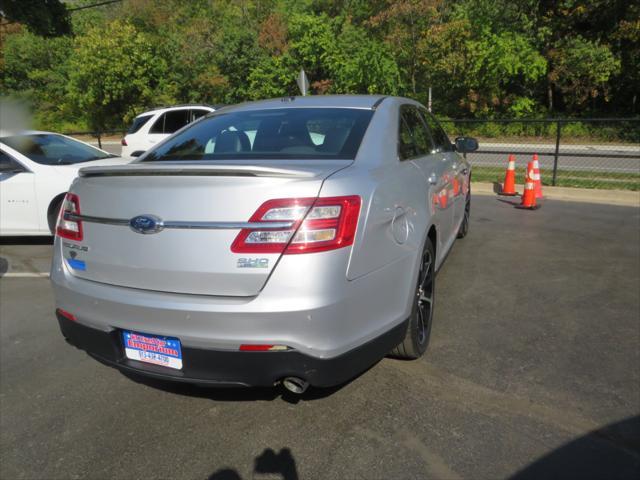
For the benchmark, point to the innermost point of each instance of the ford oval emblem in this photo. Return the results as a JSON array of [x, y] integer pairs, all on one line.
[[146, 224]]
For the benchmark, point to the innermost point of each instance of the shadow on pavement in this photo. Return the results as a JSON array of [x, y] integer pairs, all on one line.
[[612, 452], [26, 240], [233, 394], [268, 462]]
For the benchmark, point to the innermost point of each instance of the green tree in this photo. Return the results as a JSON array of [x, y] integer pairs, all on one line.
[[361, 64], [47, 18], [582, 69], [35, 69], [115, 72], [501, 66]]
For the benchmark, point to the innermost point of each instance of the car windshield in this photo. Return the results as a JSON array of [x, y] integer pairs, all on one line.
[[52, 149], [282, 133]]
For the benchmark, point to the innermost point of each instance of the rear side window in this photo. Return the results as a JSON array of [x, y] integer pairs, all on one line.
[[406, 145], [138, 123], [281, 133], [443, 144], [8, 164]]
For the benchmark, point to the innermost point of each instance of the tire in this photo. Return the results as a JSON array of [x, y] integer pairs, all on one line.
[[419, 328], [464, 226], [52, 215]]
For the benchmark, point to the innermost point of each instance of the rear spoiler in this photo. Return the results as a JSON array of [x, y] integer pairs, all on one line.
[[149, 169]]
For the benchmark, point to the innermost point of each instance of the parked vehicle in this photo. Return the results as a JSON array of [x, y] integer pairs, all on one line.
[[36, 169], [292, 240], [151, 127]]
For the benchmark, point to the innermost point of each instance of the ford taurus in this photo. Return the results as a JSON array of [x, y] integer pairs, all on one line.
[[288, 241]]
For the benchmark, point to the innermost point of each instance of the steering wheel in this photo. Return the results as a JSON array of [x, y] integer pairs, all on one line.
[[65, 159]]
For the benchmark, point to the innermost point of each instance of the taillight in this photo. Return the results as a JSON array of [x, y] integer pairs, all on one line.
[[67, 227], [250, 347], [67, 315], [317, 225], [123, 142]]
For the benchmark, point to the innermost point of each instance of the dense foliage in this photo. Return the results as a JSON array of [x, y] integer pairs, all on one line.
[[483, 58]]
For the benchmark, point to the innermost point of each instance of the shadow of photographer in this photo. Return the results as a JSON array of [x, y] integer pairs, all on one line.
[[268, 462]]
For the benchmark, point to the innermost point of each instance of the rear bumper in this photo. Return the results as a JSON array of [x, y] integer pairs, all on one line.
[[235, 368]]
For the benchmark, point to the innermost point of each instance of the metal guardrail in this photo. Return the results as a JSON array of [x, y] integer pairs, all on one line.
[[96, 134], [608, 155]]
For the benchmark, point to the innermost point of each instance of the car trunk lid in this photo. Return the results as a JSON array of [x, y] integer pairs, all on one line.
[[192, 258]]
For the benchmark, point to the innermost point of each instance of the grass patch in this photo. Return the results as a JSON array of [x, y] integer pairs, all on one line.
[[567, 178]]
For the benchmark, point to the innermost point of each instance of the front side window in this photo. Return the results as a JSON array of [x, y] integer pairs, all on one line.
[[196, 113], [174, 120], [52, 149], [443, 144], [415, 139], [280, 133]]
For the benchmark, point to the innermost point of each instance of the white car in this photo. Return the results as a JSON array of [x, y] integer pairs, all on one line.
[[36, 170], [153, 126]]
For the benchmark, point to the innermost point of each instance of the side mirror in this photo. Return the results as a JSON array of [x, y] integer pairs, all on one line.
[[137, 153], [466, 144]]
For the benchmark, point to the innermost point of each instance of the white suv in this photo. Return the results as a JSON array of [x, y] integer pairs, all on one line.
[[153, 126]]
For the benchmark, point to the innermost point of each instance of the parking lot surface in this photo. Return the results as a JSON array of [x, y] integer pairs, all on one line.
[[533, 372]]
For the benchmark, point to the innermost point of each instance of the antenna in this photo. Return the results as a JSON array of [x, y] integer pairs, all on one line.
[[303, 82]]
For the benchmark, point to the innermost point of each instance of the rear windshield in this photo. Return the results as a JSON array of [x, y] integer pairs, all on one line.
[[284, 133], [52, 149], [138, 123]]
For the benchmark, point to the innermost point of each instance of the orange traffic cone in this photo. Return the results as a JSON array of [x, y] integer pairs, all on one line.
[[537, 182], [444, 196], [529, 195], [509, 185]]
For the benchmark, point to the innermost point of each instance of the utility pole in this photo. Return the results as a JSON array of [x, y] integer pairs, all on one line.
[[303, 82], [429, 104]]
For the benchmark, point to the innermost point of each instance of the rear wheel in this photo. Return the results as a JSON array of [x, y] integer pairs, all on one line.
[[419, 329], [464, 226]]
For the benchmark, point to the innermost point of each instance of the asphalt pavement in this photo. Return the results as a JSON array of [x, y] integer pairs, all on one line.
[[533, 372]]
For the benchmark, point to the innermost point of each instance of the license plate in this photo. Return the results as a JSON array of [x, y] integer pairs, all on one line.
[[154, 349]]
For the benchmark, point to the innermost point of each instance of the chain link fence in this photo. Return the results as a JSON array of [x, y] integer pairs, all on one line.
[[588, 153]]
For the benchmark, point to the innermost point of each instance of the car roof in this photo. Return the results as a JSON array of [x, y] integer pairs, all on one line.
[[176, 107], [8, 133], [310, 101]]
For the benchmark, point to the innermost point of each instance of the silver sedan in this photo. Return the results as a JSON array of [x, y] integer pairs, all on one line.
[[289, 241]]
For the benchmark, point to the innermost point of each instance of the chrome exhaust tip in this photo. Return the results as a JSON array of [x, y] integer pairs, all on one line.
[[295, 385]]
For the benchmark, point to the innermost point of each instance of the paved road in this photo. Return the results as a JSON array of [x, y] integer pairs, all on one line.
[[532, 373], [545, 152], [567, 161]]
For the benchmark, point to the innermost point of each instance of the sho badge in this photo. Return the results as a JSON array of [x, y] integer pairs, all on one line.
[[253, 263], [73, 246]]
